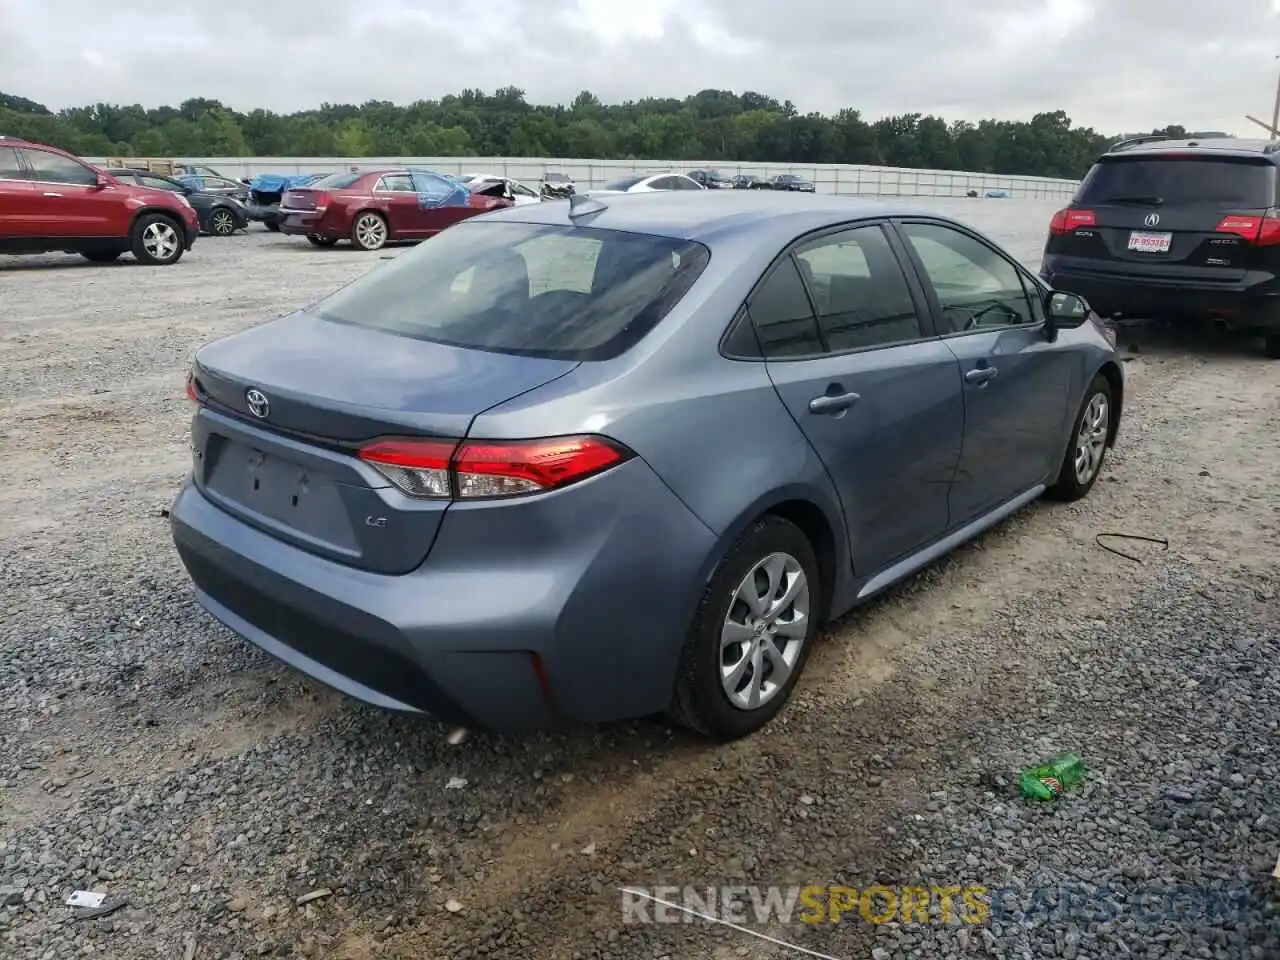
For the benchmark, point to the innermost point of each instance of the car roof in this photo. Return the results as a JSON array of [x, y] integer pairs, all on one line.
[[687, 215], [1201, 147]]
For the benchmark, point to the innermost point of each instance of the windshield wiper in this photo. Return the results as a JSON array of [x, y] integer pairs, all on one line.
[[1142, 201]]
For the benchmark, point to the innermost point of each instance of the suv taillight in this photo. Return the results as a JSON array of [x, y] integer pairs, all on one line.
[[1067, 220], [1263, 231], [487, 469]]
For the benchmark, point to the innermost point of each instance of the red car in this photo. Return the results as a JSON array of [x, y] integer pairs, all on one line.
[[376, 207], [51, 201]]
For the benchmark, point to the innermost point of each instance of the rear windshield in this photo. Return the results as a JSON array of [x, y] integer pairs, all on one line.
[[1170, 180], [573, 293], [337, 181], [624, 183]]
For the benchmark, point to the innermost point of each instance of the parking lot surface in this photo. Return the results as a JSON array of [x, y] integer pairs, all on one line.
[[148, 753]]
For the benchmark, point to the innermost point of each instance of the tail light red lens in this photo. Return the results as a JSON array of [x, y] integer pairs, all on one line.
[[1261, 230], [1068, 220], [488, 469], [322, 201], [193, 394]]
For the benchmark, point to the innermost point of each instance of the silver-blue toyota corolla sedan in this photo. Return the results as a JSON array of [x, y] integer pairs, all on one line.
[[602, 458]]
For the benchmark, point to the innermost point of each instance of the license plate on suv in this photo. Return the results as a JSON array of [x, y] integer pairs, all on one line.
[[1141, 241]]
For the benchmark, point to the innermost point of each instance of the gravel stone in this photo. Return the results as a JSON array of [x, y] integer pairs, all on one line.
[[147, 753]]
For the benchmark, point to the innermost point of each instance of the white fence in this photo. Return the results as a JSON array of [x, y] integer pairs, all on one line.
[[846, 179]]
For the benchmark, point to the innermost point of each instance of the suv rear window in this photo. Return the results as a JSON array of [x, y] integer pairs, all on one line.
[[572, 293], [1180, 180]]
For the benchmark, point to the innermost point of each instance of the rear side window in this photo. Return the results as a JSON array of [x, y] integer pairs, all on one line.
[[1180, 180], [783, 316], [573, 293]]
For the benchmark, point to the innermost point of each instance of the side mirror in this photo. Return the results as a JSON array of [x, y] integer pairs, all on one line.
[[1067, 311], [102, 182]]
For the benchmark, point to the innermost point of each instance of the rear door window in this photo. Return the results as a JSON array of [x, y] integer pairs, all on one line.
[[574, 293], [55, 168], [1175, 181], [860, 291], [783, 315], [10, 168]]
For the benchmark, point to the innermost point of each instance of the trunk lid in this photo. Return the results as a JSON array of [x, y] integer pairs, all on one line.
[[300, 198], [286, 462], [1187, 217]]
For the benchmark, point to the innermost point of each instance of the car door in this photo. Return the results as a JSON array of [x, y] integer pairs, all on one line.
[[849, 347], [72, 204], [17, 197], [395, 196], [1016, 382], [442, 201]]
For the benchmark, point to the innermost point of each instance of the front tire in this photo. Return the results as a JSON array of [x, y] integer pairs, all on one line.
[[156, 240], [318, 241], [271, 226], [1087, 448], [369, 231], [752, 633]]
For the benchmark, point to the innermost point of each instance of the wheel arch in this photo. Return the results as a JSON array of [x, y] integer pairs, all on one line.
[[163, 211], [1115, 378], [821, 523]]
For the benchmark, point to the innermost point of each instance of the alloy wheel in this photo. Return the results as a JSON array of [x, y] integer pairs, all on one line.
[[223, 223], [1091, 441], [764, 631], [371, 231]]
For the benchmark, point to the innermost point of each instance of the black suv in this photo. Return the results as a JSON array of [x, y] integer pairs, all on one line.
[[1176, 228]]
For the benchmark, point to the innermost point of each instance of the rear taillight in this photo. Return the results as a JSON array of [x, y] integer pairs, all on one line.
[[1067, 220], [485, 469], [322, 201], [193, 393], [1261, 230]]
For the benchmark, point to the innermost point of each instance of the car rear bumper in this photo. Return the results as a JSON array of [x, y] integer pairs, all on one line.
[[303, 223], [1255, 301], [573, 609]]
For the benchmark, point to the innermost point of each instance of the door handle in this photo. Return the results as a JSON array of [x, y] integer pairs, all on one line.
[[981, 375], [833, 403], [48, 194]]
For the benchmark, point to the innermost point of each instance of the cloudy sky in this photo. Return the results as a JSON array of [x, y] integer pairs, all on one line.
[[1118, 65]]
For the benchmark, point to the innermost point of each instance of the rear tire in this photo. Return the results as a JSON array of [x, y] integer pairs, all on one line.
[[272, 226], [369, 231], [101, 256], [1271, 346], [156, 240], [736, 646], [1087, 447], [222, 222], [318, 241]]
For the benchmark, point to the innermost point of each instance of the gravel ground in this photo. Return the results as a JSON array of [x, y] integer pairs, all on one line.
[[147, 753]]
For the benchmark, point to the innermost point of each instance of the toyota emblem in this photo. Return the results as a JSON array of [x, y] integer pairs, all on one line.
[[1152, 219], [258, 403]]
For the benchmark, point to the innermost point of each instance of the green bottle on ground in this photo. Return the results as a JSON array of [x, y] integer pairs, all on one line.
[[1049, 780]]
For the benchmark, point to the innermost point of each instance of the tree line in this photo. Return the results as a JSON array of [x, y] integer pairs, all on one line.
[[713, 125]]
